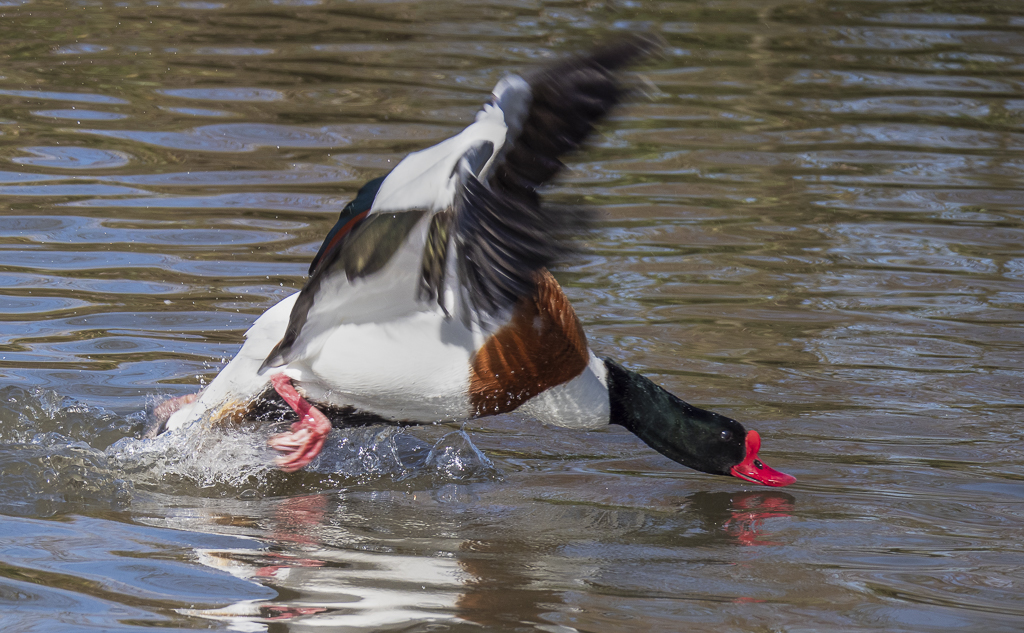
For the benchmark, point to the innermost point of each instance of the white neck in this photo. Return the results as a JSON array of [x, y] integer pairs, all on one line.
[[581, 403]]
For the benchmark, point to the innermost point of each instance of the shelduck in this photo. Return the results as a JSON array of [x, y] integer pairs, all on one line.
[[430, 299]]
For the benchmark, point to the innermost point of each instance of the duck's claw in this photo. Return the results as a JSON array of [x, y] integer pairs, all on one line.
[[306, 439], [297, 448]]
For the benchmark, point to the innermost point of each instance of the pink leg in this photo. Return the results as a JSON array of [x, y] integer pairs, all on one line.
[[307, 436]]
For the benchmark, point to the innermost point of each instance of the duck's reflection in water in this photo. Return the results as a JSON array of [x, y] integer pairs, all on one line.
[[739, 517], [330, 574], [358, 584]]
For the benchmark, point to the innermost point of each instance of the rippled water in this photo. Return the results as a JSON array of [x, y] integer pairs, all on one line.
[[813, 223]]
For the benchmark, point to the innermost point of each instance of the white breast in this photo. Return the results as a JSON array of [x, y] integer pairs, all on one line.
[[414, 368]]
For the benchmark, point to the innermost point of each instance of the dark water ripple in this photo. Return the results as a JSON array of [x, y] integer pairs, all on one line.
[[813, 223]]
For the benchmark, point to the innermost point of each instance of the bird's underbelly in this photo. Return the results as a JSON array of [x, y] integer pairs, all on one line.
[[412, 369]]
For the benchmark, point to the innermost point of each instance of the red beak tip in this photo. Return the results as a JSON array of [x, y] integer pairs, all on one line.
[[754, 470], [781, 479], [766, 475]]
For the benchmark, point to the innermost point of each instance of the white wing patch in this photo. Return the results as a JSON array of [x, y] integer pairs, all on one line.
[[428, 179]]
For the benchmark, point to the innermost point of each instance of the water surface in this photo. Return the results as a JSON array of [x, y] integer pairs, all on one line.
[[812, 223]]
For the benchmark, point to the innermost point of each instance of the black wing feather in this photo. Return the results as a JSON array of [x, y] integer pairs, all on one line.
[[502, 235]]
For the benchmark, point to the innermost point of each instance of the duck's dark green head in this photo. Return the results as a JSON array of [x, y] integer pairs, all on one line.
[[703, 440]]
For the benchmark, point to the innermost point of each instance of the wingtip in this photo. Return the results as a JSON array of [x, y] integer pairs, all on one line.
[[610, 56], [626, 50]]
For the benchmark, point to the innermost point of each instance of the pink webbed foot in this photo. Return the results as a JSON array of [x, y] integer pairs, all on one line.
[[306, 439]]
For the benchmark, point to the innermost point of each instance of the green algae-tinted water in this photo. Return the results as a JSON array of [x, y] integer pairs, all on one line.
[[812, 223]]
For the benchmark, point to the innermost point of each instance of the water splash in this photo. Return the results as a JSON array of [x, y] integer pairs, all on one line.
[[59, 455], [369, 453], [454, 458], [47, 457], [196, 460]]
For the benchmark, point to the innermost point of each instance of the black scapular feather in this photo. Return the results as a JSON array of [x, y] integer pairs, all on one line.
[[360, 204], [364, 251], [326, 255]]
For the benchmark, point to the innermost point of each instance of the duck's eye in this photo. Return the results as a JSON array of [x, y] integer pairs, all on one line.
[[726, 436]]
